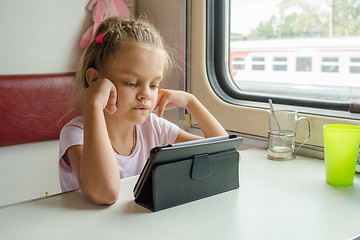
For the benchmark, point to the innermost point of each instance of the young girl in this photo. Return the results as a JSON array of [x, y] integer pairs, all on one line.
[[118, 81]]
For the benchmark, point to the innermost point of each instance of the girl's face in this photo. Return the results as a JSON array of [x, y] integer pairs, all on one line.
[[137, 76]]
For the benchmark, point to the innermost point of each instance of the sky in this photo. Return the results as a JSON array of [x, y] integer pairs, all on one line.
[[247, 14]]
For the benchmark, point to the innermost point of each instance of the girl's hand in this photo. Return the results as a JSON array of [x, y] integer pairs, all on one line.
[[102, 92], [169, 99]]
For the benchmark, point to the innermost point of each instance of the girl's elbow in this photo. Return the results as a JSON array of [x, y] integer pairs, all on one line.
[[104, 200], [102, 197]]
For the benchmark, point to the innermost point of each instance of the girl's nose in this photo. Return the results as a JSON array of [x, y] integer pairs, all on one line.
[[144, 94]]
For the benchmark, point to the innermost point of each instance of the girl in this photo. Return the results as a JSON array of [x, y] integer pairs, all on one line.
[[118, 80]]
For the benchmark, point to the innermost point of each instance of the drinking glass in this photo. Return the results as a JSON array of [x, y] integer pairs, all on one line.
[[282, 133]]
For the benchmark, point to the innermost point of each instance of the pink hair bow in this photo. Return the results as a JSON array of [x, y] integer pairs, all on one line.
[[100, 38]]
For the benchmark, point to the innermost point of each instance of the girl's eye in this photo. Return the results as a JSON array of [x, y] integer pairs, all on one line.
[[130, 84], [154, 86]]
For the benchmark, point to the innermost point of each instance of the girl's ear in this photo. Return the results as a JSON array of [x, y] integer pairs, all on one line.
[[92, 75]]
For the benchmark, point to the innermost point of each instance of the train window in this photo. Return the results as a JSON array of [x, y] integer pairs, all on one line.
[[238, 63], [258, 59], [355, 67], [302, 53], [330, 64], [304, 64], [330, 59], [280, 59], [277, 67], [240, 59], [329, 68], [239, 66], [280, 64], [258, 64]]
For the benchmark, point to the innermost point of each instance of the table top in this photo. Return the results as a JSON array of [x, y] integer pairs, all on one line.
[[276, 200]]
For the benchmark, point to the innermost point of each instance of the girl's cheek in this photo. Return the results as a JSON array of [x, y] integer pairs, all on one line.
[[152, 107]]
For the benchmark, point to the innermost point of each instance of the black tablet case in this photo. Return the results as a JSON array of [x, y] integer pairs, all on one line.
[[184, 172]]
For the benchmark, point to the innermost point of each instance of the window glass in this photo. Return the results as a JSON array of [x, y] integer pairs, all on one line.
[[304, 48]]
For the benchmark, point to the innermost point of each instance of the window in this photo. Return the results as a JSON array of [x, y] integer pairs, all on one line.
[[302, 53], [240, 59], [280, 64], [303, 64], [330, 64], [355, 65], [238, 63], [279, 68], [258, 64]]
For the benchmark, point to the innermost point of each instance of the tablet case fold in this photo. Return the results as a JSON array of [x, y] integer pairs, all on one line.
[[191, 178]]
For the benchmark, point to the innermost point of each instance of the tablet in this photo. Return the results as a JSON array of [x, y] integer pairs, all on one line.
[[185, 150]]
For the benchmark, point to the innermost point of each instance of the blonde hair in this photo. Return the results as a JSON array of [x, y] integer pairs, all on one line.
[[119, 34]]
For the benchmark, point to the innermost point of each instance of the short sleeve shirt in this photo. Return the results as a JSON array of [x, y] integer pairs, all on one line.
[[153, 132]]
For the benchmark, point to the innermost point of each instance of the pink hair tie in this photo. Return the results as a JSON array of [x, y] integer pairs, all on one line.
[[100, 38]]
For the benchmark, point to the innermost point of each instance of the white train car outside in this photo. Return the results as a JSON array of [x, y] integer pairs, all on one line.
[[317, 63]]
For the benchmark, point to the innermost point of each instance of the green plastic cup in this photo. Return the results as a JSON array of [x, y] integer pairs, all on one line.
[[341, 146]]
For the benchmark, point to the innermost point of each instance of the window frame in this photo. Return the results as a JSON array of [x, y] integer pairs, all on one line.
[[218, 70]]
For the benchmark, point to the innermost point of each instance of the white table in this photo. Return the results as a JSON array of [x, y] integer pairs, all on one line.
[[276, 200]]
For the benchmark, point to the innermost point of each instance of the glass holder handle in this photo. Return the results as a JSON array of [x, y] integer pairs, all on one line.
[[308, 121]]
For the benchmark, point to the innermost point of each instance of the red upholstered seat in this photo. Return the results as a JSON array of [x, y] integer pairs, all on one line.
[[31, 106]]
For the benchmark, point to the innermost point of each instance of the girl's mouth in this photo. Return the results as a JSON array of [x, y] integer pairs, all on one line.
[[142, 107]]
